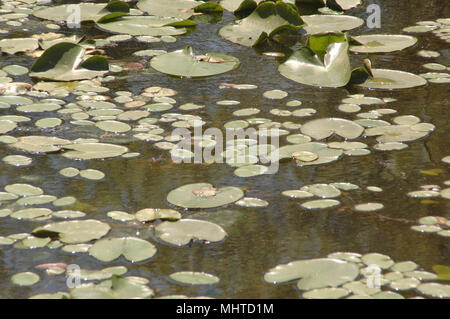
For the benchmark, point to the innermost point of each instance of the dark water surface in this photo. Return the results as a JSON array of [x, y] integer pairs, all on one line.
[[262, 238]]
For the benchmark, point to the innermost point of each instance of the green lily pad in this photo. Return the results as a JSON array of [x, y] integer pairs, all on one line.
[[323, 128], [194, 278], [252, 202], [87, 151], [320, 204], [38, 107], [23, 189], [314, 273], [116, 288], [65, 201], [12, 46], [132, 248], [368, 207], [120, 216], [396, 133], [17, 160], [375, 43], [268, 17], [392, 79], [322, 190], [382, 261], [92, 174], [169, 8], [183, 231], [184, 62], [56, 295], [322, 23], [48, 122], [324, 62], [87, 11], [36, 200], [63, 62], [435, 290], [250, 170], [442, 271], [203, 195], [69, 172], [106, 273], [14, 69], [7, 126], [66, 214], [152, 214], [113, 126], [326, 293], [72, 232], [297, 194], [25, 278], [147, 25]]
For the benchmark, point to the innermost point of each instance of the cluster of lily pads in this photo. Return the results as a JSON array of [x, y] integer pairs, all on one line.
[[354, 276]]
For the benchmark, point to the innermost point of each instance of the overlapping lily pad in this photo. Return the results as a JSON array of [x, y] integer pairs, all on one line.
[[132, 248], [323, 128], [314, 273]]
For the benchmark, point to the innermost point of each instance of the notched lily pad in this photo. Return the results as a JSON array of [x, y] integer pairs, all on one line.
[[182, 232], [132, 248]]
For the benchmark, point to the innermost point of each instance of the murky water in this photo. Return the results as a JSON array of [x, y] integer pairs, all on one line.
[[259, 238]]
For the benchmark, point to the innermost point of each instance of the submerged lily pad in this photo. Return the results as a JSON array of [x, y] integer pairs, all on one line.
[[194, 278], [203, 195], [314, 273], [184, 62], [63, 62], [132, 248], [78, 231], [182, 232]]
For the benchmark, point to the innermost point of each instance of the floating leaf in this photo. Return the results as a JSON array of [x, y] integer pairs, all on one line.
[[323, 128], [71, 232], [203, 195], [63, 62], [132, 248], [267, 18], [322, 23], [12, 46], [392, 79], [184, 62], [375, 43], [324, 63], [116, 288], [25, 278], [314, 273], [194, 278], [152, 214], [182, 232], [147, 25]]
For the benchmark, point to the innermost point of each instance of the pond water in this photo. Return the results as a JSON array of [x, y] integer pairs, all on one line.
[[258, 238]]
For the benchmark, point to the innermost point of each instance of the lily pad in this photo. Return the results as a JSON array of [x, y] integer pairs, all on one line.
[[392, 79], [320, 204], [325, 62], [17, 160], [147, 25], [267, 18], [71, 232], [152, 214], [184, 62], [375, 43], [382, 261], [435, 290], [88, 151], [182, 232], [87, 11], [23, 189], [132, 248], [323, 128], [194, 278], [25, 278], [203, 195], [323, 23], [116, 288], [63, 62], [12, 46], [314, 273], [169, 8], [326, 293]]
